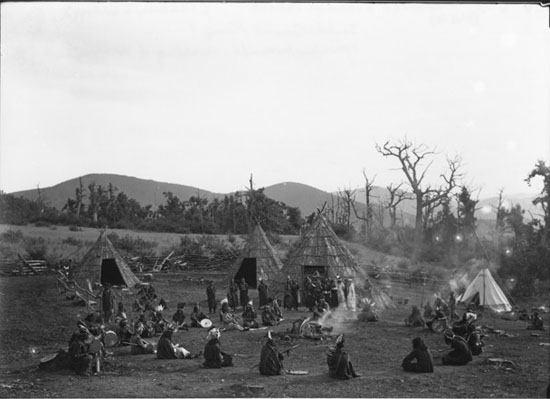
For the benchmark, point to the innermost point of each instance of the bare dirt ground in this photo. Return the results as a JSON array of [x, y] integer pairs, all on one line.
[[37, 321]]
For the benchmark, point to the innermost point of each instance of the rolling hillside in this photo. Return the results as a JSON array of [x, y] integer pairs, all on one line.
[[305, 197]]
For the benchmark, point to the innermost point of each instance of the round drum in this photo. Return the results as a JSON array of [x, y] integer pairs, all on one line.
[[48, 359], [95, 346], [110, 339], [206, 323]]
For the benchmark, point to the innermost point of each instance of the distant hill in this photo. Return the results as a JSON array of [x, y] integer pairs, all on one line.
[[307, 198], [146, 192]]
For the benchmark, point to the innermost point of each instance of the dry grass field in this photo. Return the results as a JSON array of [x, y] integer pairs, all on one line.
[[37, 320]]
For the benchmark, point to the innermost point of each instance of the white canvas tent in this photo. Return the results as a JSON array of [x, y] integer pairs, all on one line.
[[490, 294]]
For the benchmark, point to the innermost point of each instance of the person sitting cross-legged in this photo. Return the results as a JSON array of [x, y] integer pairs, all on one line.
[[214, 357], [422, 355], [339, 363], [461, 353]]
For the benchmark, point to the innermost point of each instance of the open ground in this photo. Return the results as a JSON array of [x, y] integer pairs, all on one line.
[[37, 321]]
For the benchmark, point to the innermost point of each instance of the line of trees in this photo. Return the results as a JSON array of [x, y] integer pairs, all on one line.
[[97, 206]]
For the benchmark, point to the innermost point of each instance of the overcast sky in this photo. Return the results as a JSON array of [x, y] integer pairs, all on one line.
[[204, 94]]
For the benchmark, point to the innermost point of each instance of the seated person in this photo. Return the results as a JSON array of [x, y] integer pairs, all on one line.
[[139, 346], [123, 331], [268, 317], [80, 360], [121, 314], [415, 319], [179, 317], [422, 355], [461, 353], [367, 313], [321, 309], [249, 317], [228, 319], [536, 322], [428, 311], [148, 329], [167, 350], [158, 320], [339, 363], [197, 316], [214, 357], [277, 310], [271, 360]]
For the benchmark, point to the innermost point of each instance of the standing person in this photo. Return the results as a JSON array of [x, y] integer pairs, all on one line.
[[340, 292], [262, 292], [295, 293], [214, 357], [233, 298], [243, 288], [422, 355], [108, 303], [271, 360], [452, 306], [288, 300], [461, 353], [339, 363], [211, 296], [334, 299]]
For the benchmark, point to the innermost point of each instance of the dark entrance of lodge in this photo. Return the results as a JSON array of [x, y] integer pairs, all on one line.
[[248, 271], [110, 273]]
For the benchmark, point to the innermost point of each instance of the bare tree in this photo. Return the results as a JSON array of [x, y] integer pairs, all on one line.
[[346, 200], [395, 197], [411, 158], [368, 214]]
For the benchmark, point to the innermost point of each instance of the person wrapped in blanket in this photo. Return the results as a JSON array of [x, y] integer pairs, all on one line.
[[197, 316], [179, 317], [139, 346], [80, 360], [168, 350], [415, 319], [249, 316], [339, 363], [271, 313], [214, 357], [461, 353], [271, 360], [422, 355], [228, 319]]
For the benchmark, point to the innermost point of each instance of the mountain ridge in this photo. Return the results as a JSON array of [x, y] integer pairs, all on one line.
[[295, 194]]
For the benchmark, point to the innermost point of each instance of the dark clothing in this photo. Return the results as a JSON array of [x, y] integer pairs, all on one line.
[[268, 317], [196, 318], [339, 364], [243, 288], [263, 293], [232, 297], [271, 360], [249, 318], [214, 357], [165, 350], [79, 358], [108, 304], [460, 355], [211, 296], [179, 317], [423, 364], [140, 346]]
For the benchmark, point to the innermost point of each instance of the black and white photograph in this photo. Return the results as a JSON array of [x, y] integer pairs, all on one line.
[[274, 199]]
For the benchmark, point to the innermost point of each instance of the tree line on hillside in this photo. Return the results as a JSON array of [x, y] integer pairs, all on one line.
[[445, 226], [99, 206]]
